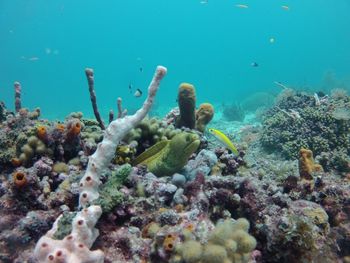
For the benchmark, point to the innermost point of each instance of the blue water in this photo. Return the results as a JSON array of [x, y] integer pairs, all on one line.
[[210, 45]]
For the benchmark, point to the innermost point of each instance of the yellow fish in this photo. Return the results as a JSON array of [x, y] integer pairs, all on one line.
[[224, 140]]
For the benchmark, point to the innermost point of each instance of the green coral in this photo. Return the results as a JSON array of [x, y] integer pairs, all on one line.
[[109, 194], [64, 226], [168, 157]]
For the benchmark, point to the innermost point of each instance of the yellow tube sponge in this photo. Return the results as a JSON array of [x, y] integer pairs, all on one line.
[[187, 105]]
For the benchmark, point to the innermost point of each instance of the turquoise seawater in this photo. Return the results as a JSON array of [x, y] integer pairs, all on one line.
[[46, 45]]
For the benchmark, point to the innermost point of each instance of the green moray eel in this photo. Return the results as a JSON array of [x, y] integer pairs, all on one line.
[[169, 156]]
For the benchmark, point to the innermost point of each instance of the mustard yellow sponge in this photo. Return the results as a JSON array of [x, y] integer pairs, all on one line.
[[187, 105], [204, 115]]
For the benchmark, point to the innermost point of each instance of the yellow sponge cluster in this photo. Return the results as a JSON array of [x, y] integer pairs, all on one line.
[[229, 242]]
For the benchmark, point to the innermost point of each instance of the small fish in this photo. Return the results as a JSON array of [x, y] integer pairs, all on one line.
[[285, 7], [33, 59], [272, 40], [130, 87], [141, 69], [242, 6], [138, 93], [224, 140], [254, 65]]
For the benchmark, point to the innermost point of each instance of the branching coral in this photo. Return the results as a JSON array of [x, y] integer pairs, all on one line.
[[317, 128]]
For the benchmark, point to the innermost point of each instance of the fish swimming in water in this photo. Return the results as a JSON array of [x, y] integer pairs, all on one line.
[[224, 140], [242, 6], [254, 64], [33, 59], [138, 93]]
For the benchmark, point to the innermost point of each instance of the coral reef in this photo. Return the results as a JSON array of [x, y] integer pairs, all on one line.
[[296, 122], [149, 192]]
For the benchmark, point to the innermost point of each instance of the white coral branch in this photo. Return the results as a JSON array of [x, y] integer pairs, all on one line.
[[114, 133]]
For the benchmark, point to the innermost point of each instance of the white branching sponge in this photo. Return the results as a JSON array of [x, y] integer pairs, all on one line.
[[74, 248], [114, 133]]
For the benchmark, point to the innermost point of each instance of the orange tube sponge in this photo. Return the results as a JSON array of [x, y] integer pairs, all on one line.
[[73, 128], [41, 132], [307, 165], [204, 115], [19, 178], [169, 243]]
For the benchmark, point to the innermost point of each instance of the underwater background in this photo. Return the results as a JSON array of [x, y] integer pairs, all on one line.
[[46, 45]]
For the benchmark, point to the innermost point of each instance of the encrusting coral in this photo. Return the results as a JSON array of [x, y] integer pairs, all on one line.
[[169, 156]]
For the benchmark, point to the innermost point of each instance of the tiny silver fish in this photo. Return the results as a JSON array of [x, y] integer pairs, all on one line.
[[138, 93]]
